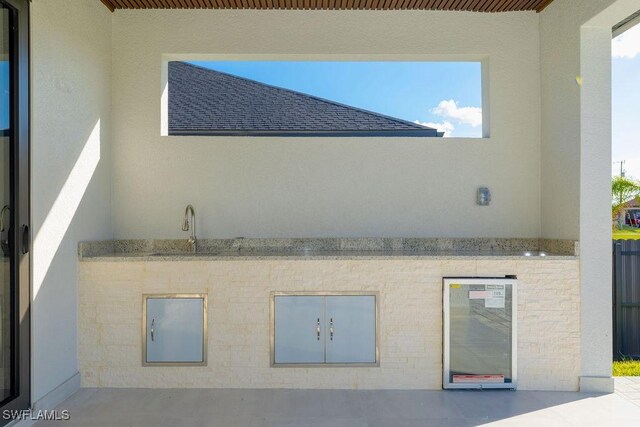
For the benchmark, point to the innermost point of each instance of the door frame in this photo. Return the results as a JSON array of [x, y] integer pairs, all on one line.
[[272, 328], [20, 236]]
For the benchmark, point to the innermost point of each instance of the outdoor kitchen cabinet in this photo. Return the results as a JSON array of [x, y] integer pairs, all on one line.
[[324, 330], [174, 330]]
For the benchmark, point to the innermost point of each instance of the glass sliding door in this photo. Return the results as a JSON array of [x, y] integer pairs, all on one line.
[[14, 208], [5, 195]]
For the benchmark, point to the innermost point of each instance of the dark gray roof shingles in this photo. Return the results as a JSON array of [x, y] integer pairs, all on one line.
[[204, 101]]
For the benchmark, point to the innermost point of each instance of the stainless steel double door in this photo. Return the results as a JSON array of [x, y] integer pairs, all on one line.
[[325, 329]]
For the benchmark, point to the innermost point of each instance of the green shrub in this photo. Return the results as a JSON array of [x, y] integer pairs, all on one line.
[[626, 368]]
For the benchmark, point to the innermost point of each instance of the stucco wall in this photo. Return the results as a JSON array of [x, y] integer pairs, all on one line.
[[71, 67], [238, 333], [560, 26], [575, 42], [265, 187]]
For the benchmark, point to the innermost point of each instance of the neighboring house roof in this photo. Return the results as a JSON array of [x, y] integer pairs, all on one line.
[[208, 102], [633, 203]]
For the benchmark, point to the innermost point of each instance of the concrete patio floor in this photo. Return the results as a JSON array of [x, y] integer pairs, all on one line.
[[236, 408], [629, 388]]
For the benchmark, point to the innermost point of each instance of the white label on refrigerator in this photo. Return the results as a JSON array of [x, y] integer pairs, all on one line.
[[494, 303], [479, 294], [497, 297]]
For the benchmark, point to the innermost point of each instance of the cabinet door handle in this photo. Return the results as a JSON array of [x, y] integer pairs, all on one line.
[[331, 329], [153, 322], [318, 329], [26, 239]]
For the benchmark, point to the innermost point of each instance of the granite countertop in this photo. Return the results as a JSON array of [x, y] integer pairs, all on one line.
[[327, 249]]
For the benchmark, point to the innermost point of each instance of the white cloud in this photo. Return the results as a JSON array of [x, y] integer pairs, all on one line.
[[450, 111], [446, 127], [627, 44]]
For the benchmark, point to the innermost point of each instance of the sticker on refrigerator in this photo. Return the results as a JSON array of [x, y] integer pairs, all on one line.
[[497, 297], [478, 378], [479, 294]]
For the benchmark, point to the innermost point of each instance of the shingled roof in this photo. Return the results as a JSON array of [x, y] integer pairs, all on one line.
[[208, 102]]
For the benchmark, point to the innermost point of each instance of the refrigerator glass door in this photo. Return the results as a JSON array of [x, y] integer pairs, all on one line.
[[480, 333]]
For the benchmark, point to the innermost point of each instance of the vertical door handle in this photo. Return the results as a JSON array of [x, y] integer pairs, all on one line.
[[153, 321], [318, 329], [26, 239], [331, 329]]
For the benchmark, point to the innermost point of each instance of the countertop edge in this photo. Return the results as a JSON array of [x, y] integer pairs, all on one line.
[[309, 249], [200, 258]]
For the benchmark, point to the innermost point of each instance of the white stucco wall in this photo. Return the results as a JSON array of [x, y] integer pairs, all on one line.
[[576, 158], [71, 67], [265, 187], [560, 26]]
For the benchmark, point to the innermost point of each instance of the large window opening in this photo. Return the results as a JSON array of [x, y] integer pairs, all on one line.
[[326, 98], [626, 158], [625, 80]]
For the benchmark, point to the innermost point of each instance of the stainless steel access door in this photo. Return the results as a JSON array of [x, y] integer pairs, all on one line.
[[351, 334], [299, 329], [175, 332]]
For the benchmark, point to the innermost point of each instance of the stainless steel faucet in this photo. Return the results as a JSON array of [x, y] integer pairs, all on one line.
[[189, 223]]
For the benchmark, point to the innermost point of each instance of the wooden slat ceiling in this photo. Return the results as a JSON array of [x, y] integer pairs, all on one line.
[[467, 5]]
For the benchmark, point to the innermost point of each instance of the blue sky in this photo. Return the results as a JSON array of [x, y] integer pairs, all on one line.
[[446, 95], [626, 102]]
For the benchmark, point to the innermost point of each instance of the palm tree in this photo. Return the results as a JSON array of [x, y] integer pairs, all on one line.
[[623, 190]]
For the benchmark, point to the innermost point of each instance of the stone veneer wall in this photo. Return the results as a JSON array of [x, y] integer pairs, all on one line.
[[110, 312]]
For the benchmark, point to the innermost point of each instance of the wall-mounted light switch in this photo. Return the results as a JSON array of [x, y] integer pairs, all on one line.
[[484, 196]]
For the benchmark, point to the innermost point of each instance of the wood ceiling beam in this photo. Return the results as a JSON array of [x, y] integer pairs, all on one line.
[[123, 4], [529, 4], [543, 4], [483, 5], [510, 4], [459, 4], [520, 5], [413, 4], [110, 6], [466, 5], [498, 6]]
